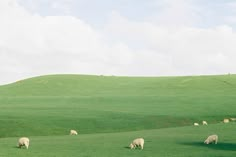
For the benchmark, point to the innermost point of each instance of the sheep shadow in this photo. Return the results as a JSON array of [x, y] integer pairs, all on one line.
[[17, 147], [219, 146], [127, 147]]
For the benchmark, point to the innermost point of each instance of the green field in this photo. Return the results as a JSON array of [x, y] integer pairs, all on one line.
[[109, 112]]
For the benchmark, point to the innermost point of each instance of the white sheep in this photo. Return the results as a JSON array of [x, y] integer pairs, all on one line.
[[204, 122], [226, 120], [137, 142], [73, 132], [195, 124], [23, 141], [211, 139], [233, 119]]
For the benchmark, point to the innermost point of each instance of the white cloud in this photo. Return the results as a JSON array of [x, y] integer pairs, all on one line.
[[187, 50], [62, 5], [36, 45], [231, 5], [176, 13], [31, 45]]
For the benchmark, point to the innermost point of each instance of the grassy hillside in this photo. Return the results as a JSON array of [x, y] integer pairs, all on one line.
[[103, 86], [113, 111], [167, 142], [112, 104]]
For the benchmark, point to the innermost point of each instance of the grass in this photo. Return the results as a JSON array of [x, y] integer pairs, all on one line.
[[109, 112], [167, 142]]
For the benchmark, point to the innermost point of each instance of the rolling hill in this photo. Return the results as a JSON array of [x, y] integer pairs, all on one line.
[[47, 107]]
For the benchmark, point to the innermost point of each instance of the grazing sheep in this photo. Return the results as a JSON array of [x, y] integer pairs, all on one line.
[[137, 142], [195, 124], [211, 139], [233, 119], [204, 123], [23, 141], [226, 120], [73, 132]]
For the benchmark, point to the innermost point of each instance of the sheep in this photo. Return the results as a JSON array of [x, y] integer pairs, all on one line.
[[23, 141], [137, 142], [73, 132], [226, 120], [195, 124], [233, 119], [211, 139], [204, 122]]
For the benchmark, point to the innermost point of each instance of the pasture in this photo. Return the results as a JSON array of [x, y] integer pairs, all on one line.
[[109, 112]]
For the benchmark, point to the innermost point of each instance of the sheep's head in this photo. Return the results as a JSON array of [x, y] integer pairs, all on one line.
[[206, 142], [131, 146]]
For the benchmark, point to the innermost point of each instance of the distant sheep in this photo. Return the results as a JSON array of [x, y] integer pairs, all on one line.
[[23, 141], [233, 119], [226, 120], [136, 143], [204, 123], [195, 124], [73, 132], [211, 139]]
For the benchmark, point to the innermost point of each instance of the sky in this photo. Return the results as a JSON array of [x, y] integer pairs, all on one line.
[[121, 37]]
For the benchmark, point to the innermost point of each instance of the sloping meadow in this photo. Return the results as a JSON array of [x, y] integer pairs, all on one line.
[[113, 111], [51, 105]]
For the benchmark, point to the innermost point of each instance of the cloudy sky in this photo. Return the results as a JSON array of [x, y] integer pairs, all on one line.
[[120, 37]]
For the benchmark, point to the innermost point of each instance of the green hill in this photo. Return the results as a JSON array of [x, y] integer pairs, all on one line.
[[85, 85], [114, 110], [112, 104]]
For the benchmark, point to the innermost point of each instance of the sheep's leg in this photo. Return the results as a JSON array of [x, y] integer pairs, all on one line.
[[141, 146]]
